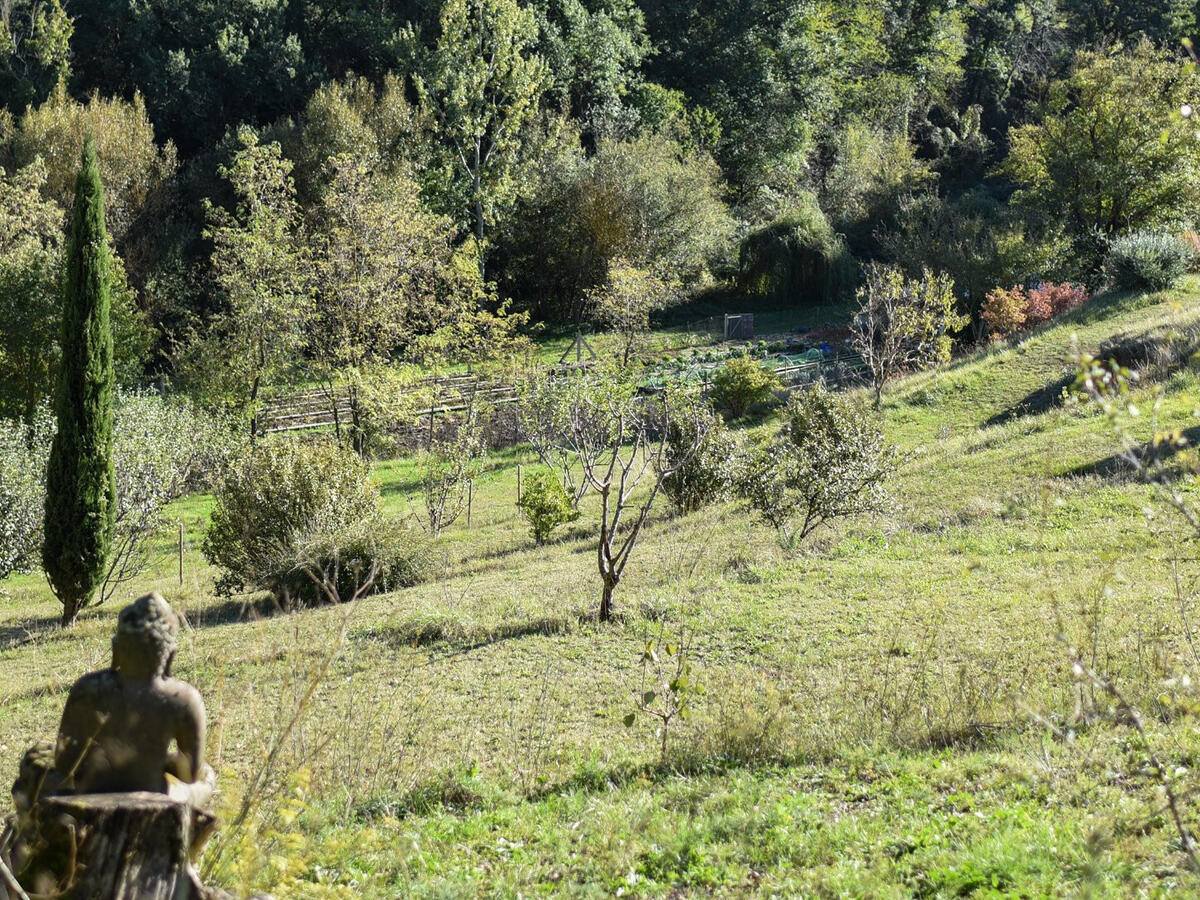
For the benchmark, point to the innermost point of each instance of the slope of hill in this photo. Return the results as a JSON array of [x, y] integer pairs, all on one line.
[[887, 712]]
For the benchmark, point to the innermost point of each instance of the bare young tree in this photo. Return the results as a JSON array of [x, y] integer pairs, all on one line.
[[616, 440], [904, 322]]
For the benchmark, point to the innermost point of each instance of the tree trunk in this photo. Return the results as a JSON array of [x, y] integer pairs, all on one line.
[[71, 608], [119, 846], [606, 604]]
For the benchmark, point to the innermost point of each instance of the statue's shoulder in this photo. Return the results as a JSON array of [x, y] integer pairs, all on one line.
[[182, 694], [95, 684]]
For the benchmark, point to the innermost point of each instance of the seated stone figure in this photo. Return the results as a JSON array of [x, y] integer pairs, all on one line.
[[119, 724], [126, 729]]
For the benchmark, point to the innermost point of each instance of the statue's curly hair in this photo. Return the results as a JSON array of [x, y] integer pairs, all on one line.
[[146, 629]]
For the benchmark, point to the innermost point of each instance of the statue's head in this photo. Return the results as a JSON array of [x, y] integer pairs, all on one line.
[[144, 644]]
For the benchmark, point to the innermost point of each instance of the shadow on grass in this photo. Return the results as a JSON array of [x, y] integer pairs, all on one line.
[[452, 636], [1034, 403], [1116, 465], [461, 790], [30, 631]]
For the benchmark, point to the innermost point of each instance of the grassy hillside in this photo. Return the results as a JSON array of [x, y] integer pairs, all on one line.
[[874, 712]]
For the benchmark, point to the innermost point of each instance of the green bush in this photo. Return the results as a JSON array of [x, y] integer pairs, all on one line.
[[797, 259], [545, 505], [742, 384], [707, 474], [1146, 260], [829, 461], [287, 511], [377, 554]]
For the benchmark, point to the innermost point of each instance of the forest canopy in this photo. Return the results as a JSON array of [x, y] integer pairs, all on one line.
[[760, 152]]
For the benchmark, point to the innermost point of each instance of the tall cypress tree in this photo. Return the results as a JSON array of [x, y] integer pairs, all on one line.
[[80, 491]]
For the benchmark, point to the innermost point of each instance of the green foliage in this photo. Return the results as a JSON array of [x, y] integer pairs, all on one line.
[[80, 489], [904, 322], [545, 504], [741, 385], [977, 240], [797, 259], [644, 201], [254, 339], [704, 466], [829, 461], [1148, 260], [132, 164], [30, 268], [481, 84], [625, 300], [23, 451], [277, 502], [35, 50], [1110, 151]]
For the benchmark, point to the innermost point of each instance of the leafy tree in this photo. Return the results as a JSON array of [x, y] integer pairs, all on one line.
[[35, 50], [384, 275], [903, 322], [482, 84], [594, 52], [254, 340], [1109, 151], [1101, 22], [80, 489], [644, 201], [624, 303], [132, 165], [704, 470], [30, 302], [829, 461]]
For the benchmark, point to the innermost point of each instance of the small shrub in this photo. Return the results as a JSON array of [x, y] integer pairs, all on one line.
[[708, 473], [275, 503], [1004, 311], [372, 556], [545, 504], [741, 385], [1062, 297], [23, 452], [1145, 260], [829, 461]]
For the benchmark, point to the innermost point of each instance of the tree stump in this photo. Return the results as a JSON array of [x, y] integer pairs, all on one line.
[[119, 846]]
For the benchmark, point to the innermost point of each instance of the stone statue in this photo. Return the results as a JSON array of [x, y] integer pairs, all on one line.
[[131, 732], [119, 724]]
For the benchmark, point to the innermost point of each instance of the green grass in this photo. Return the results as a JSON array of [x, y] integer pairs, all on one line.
[[869, 718]]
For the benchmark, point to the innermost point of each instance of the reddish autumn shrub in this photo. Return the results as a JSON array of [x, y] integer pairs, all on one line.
[[1061, 297], [1004, 311]]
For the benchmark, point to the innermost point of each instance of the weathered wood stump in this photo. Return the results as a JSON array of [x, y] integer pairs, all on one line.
[[131, 846]]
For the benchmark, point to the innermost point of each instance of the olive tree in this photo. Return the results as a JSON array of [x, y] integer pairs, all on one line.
[[829, 461]]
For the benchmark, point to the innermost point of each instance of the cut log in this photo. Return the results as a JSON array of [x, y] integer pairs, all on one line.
[[112, 847]]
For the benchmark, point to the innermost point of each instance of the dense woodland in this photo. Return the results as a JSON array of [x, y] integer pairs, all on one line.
[[389, 181]]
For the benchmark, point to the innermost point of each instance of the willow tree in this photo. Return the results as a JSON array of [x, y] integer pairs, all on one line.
[[80, 488]]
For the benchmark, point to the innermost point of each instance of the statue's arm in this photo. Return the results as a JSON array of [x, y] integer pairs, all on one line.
[[80, 724], [188, 764]]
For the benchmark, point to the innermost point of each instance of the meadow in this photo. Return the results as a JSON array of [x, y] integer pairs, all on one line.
[[889, 710]]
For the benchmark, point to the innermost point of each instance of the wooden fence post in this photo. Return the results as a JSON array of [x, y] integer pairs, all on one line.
[[470, 500], [181, 551]]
